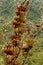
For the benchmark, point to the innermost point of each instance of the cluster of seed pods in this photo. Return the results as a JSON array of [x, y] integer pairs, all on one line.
[[12, 49]]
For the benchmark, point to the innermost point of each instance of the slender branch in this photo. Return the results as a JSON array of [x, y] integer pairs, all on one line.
[[27, 2], [23, 2]]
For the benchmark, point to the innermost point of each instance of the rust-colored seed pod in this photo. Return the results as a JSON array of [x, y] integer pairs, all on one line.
[[23, 21], [8, 52], [17, 19], [21, 8], [37, 25], [18, 13], [15, 23]]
